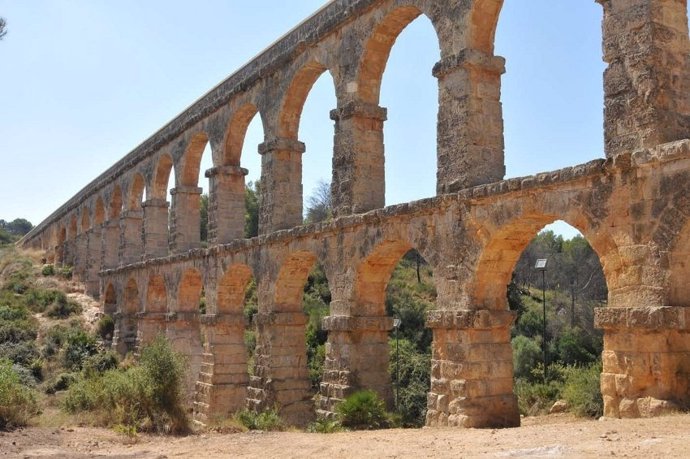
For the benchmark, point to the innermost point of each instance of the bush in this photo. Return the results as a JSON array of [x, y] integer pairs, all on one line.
[[414, 373], [17, 402], [146, 396], [266, 420], [100, 363], [105, 327], [17, 331], [79, 346], [62, 309], [325, 426], [61, 382], [23, 353], [363, 410], [582, 390], [527, 355], [48, 270]]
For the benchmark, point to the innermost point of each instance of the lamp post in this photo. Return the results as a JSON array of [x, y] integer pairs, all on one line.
[[396, 326], [541, 266]]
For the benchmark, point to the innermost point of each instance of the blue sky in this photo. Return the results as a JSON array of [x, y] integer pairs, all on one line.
[[83, 82]]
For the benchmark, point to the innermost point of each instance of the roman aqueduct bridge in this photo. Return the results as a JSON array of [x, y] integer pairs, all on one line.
[[633, 207]]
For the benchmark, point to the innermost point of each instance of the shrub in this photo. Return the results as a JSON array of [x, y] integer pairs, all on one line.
[[414, 374], [266, 420], [144, 397], [105, 327], [17, 402], [527, 355], [22, 353], [61, 382], [17, 331], [48, 270], [100, 363], [582, 390], [363, 410], [65, 272], [62, 309], [79, 345], [325, 426]]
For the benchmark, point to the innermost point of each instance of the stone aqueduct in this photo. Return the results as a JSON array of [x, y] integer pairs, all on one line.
[[633, 207]]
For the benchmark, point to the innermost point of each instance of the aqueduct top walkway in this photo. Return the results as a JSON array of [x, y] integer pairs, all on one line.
[[632, 206]]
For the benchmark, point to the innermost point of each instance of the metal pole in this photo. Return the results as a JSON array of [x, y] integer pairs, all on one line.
[[543, 340], [397, 369]]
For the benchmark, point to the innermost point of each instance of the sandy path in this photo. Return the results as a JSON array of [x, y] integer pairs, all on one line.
[[551, 436]]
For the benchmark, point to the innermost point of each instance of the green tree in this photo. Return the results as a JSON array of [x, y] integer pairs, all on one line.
[[251, 201], [203, 212], [3, 28]]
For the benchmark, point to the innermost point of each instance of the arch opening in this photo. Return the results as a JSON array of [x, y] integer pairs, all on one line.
[[563, 106], [405, 35], [396, 281], [306, 117], [554, 288]]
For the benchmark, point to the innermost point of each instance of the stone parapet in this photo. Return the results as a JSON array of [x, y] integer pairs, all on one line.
[[359, 109]]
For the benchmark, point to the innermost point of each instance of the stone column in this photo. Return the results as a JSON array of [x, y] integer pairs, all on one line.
[[357, 354], [182, 330], [646, 360], [149, 325], [111, 244], [131, 241], [94, 260], [155, 228], [472, 370], [125, 335], [281, 378], [470, 121], [80, 256], [359, 176], [226, 206], [185, 219], [222, 385], [647, 82], [281, 185]]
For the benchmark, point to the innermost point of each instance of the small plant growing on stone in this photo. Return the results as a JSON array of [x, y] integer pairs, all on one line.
[[363, 410]]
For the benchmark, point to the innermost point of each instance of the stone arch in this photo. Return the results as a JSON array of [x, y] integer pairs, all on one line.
[[115, 208], [232, 289], [502, 251], [85, 220], [99, 212], [136, 192], [483, 20], [236, 133], [191, 160], [162, 176], [110, 300], [378, 49], [156, 295], [132, 301], [373, 274], [289, 285], [73, 227], [189, 291], [295, 98]]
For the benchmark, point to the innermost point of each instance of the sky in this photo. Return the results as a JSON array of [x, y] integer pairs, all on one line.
[[83, 82]]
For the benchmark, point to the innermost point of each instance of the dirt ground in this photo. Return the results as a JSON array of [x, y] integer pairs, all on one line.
[[548, 436]]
